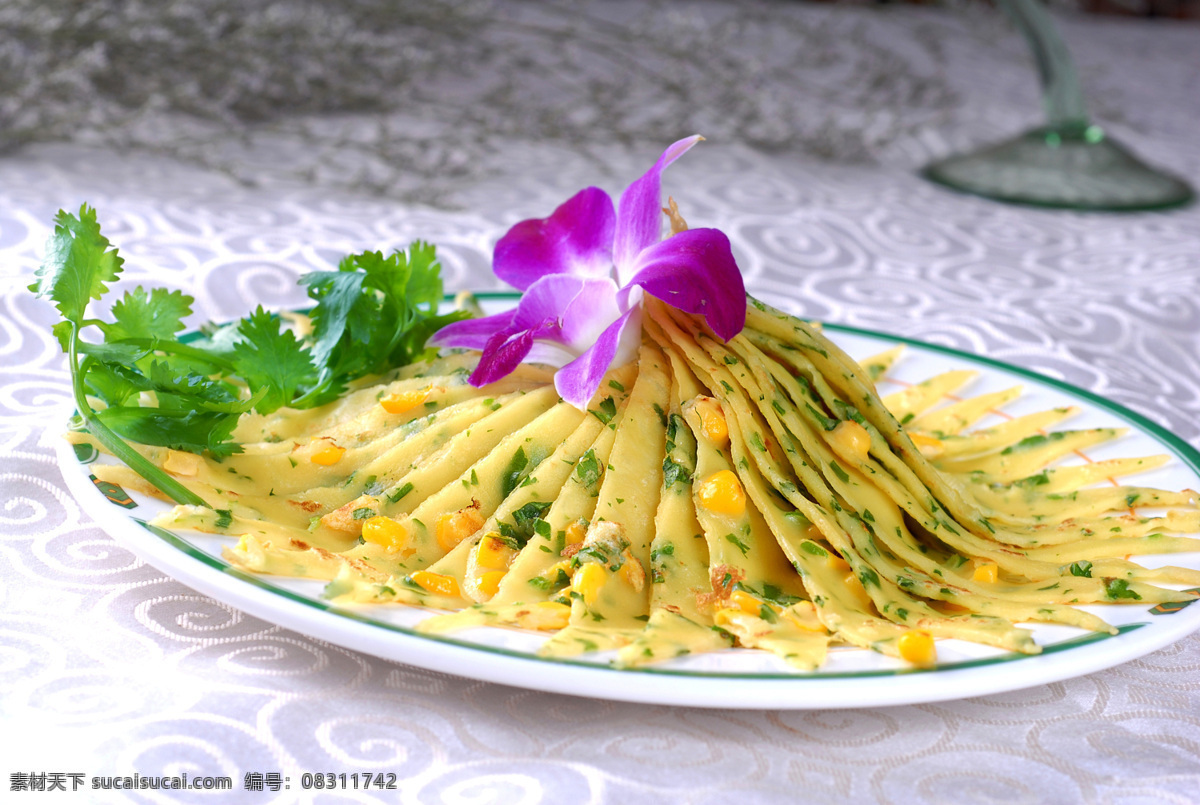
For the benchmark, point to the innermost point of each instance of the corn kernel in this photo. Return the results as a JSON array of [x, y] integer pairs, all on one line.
[[576, 531], [986, 573], [725, 617], [179, 462], [328, 455], [856, 589], [551, 574], [386, 532], [740, 623], [712, 422], [837, 563], [850, 440], [403, 401], [437, 583], [723, 493], [489, 582], [740, 599], [493, 552], [917, 647], [454, 527], [803, 615], [588, 580], [633, 572], [928, 446], [545, 616]]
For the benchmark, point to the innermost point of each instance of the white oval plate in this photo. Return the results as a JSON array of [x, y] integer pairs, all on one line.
[[737, 678]]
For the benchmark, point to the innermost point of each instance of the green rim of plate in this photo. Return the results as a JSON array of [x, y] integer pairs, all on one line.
[[1182, 450]]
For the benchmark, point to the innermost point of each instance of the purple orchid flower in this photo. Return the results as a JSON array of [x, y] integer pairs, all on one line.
[[584, 270]]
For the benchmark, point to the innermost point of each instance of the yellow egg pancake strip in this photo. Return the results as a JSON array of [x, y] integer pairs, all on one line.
[[845, 526], [628, 501]]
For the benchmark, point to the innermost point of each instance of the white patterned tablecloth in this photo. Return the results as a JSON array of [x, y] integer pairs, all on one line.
[[107, 667]]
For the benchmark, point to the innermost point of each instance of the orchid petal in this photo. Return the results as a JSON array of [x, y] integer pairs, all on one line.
[[639, 212], [695, 272], [504, 352], [578, 381], [551, 297], [550, 354], [592, 310], [576, 239], [583, 308], [472, 333]]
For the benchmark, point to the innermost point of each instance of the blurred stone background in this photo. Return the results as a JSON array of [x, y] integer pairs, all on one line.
[[316, 92]]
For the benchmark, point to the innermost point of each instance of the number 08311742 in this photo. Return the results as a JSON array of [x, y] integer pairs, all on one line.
[[356, 780]]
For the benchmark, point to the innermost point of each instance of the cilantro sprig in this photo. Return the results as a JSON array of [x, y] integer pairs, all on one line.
[[388, 304], [372, 314]]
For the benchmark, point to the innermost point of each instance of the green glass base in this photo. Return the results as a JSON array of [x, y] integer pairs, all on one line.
[[1076, 169]]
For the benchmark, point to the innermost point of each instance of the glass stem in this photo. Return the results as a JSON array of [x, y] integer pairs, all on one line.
[[1061, 95]]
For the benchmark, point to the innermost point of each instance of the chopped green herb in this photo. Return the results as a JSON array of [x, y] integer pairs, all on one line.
[[517, 470], [826, 422], [674, 472], [1081, 568], [401, 492], [608, 410], [1116, 589], [739, 544]]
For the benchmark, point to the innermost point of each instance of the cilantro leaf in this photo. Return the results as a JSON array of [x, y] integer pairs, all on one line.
[[178, 429], [372, 314], [114, 383], [77, 269], [387, 302], [78, 264], [175, 389], [343, 313], [271, 358], [138, 314]]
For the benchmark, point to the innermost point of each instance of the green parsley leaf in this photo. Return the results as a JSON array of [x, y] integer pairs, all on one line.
[[193, 431], [77, 269], [160, 391], [138, 314], [387, 302], [271, 358], [78, 265]]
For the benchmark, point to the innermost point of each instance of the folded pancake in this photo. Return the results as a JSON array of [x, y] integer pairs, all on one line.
[[756, 494]]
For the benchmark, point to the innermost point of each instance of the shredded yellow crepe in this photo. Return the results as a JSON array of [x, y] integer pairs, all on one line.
[[756, 493]]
